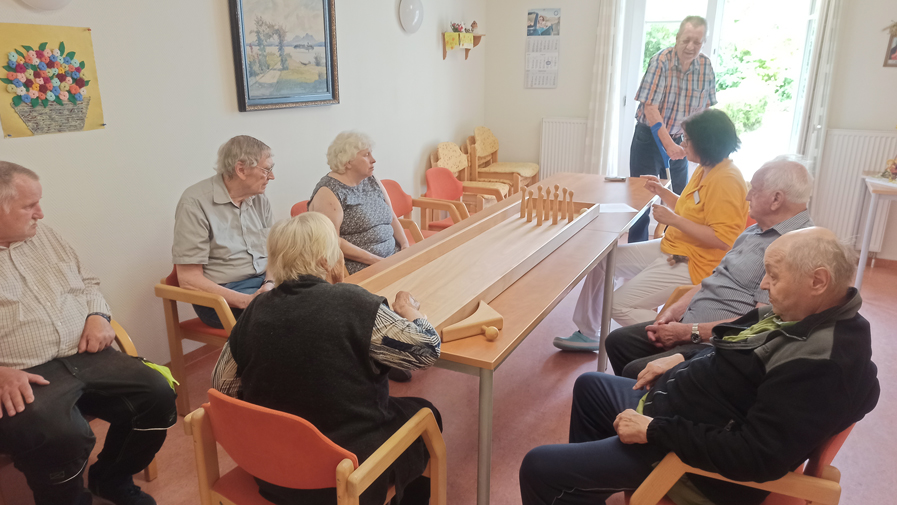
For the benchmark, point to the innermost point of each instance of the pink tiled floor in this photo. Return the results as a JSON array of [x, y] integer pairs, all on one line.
[[532, 402]]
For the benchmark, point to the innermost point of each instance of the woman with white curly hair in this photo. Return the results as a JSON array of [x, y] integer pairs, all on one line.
[[357, 203]]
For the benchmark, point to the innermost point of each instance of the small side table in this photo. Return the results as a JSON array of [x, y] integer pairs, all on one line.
[[877, 189]]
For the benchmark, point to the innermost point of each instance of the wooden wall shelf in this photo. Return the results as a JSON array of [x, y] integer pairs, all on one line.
[[476, 42]]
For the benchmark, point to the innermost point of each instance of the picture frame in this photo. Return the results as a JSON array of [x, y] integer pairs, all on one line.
[[891, 53], [284, 53]]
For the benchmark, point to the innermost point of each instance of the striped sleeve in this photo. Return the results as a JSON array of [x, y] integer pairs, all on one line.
[[400, 343], [650, 92], [224, 376]]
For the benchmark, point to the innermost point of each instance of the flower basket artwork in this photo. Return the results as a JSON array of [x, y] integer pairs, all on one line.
[[48, 89]]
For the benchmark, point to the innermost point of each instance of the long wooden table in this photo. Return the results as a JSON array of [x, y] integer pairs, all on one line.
[[526, 302]]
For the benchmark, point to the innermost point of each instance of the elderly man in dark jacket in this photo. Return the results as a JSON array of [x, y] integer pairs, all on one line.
[[772, 387]]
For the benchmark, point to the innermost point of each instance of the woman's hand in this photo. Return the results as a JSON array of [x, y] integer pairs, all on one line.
[[649, 178], [406, 306], [664, 215]]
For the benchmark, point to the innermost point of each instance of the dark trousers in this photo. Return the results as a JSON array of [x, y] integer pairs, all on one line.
[[595, 464], [645, 159], [246, 286], [50, 441], [629, 350]]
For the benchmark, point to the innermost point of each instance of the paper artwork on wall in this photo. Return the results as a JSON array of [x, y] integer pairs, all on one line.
[[543, 40], [891, 53], [49, 80]]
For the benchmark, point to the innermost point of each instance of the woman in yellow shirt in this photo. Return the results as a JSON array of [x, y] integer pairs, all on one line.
[[707, 218]]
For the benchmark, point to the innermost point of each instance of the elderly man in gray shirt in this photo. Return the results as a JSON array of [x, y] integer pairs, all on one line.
[[778, 198], [221, 228]]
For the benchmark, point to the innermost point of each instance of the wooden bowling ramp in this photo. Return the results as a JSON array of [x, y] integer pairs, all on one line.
[[481, 259]]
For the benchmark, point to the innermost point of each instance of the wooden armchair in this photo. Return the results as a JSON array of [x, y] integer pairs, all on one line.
[[170, 292], [126, 345], [476, 194], [403, 205], [817, 483], [288, 451], [482, 151]]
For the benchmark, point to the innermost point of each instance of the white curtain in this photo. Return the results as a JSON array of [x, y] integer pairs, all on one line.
[[815, 105], [602, 131]]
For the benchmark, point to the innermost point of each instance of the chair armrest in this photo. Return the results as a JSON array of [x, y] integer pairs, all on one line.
[[123, 339], [484, 191], [813, 489], [423, 425], [453, 208], [512, 179], [671, 469], [198, 425], [659, 481], [412, 228], [213, 301], [677, 293]]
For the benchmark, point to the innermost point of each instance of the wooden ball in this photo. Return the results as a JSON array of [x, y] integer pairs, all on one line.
[[491, 332]]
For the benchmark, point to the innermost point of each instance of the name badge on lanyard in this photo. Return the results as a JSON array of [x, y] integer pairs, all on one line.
[[697, 198]]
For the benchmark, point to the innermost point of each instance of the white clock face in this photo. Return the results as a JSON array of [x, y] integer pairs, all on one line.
[[411, 14]]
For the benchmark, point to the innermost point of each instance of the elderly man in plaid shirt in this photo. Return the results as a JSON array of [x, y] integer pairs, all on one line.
[[679, 82]]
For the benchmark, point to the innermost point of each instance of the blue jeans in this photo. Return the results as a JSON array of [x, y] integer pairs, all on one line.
[[595, 464], [645, 159], [246, 286]]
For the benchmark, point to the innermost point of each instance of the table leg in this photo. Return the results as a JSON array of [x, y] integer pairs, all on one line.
[[867, 239], [608, 304], [484, 453]]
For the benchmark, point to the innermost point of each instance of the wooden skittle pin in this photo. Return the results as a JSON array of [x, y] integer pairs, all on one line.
[[539, 211], [564, 205], [529, 206], [570, 214]]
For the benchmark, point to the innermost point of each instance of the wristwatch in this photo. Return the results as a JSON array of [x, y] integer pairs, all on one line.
[[695, 334], [107, 317]]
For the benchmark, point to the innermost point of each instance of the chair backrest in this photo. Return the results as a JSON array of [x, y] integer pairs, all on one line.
[[299, 208], [442, 184], [401, 201], [274, 446], [485, 141], [449, 155], [824, 455], [172, 279]]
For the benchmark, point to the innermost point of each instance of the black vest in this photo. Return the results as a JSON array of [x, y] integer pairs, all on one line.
[[304, 348]]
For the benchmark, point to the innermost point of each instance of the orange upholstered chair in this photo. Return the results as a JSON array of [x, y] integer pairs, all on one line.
[[816, 483], [442, 185], [299, 208], [403, 205], [170, 292], [288, 451], [125, 345]]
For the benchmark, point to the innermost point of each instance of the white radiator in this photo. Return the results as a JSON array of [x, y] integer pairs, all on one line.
[[841, 200], [563, 145]]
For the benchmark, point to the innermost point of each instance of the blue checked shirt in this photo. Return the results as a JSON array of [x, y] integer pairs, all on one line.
[[734, 287], [677, 93]]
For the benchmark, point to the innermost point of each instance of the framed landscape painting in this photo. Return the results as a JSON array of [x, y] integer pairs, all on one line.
[[284, 53]]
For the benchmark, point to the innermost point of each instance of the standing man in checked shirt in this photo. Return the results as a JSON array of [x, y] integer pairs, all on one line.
[[679, 82], [56, 364]]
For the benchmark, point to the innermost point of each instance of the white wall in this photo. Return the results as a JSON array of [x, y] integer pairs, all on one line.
[[863, 91], [513, 113], [112, 192]]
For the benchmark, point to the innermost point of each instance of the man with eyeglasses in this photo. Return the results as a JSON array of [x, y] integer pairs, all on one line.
[[221, 228], [679, 82]]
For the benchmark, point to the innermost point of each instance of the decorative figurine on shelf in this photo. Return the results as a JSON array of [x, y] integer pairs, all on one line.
[[890, 172], [473, 27], [458, 27]]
